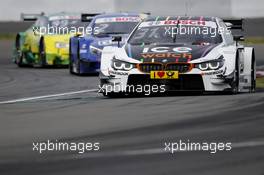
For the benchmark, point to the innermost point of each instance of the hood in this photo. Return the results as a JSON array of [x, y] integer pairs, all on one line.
[[101, 42], [166, 53]]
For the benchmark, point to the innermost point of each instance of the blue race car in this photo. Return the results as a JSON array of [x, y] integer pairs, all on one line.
[[85, 50]]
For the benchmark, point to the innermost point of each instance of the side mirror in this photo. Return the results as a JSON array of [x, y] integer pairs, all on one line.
[[239, 38], [95, 50], [117, 39], [228, 25]]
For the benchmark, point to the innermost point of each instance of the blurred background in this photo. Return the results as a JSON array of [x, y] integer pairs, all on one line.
[[11, 9], [252, 11]]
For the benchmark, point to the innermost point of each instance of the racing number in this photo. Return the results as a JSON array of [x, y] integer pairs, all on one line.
[[144, 31], [101, 28]]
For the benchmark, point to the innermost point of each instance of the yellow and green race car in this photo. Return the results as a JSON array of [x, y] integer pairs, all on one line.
[[46, 42]]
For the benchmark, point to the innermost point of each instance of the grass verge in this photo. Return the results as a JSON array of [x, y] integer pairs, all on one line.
[[260, 82], [254, 40]]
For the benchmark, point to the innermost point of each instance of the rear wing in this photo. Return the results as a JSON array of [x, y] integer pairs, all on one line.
[[87, 17], [30, 17], [234, 24]]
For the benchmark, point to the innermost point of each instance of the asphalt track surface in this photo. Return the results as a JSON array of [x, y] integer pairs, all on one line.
[[131, 131]]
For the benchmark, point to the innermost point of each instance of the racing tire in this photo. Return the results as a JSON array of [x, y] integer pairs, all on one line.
[[253, 72], [70, 67], [235, 83], [78, 61], [70, 61], [19, 60], [20, 54], [42, 53]]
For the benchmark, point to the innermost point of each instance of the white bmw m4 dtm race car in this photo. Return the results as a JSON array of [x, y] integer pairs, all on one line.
[[165, 54]]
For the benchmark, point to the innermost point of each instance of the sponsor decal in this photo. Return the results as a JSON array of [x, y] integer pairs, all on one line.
[[118, 73], [185, 22], [83, 51], [179, 22], [164, 75], [167, 55], [167, 52], [105, 42], [167, 49], [117, 19], [182, 49], [84, 46]]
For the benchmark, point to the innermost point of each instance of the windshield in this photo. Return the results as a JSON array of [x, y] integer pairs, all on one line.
[[66, 23], [115, 25], [149, 33], [59, 25]]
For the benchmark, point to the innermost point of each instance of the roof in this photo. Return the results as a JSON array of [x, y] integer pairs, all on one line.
[[116, 15]]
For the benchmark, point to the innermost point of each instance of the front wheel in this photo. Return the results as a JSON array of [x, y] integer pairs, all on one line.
[[76, 65], [42, 53], [19, 54], [19, 58], [235, 83], [71, 67], [70, 60], [253, 75]]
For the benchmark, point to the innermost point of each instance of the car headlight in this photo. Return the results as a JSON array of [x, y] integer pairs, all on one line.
[[122, 65], [60, 45], [95, 50], [211, 65]]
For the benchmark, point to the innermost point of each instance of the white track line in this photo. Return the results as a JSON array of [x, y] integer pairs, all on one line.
[[47, 96]]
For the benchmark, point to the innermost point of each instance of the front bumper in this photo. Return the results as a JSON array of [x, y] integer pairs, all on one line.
[[57, 59], [89, 66], [185, 82], [195, 80]]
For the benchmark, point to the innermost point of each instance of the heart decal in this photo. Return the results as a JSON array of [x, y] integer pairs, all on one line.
[[161, 74]]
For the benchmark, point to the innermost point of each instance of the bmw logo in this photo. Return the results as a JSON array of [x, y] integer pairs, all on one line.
[[165, 61]]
